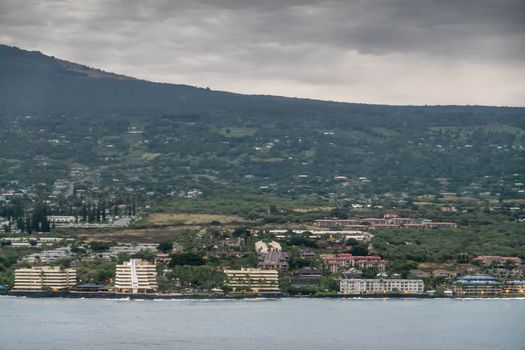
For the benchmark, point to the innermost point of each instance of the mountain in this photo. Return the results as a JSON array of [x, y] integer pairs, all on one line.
[[60, 118]]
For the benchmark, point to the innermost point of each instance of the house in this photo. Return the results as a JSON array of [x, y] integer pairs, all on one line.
[[263, 247], [162, 258], [498, 260], [443, 273]]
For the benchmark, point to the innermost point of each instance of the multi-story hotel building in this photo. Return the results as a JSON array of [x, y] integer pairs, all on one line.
[[253, 280], [375, 286], [136, 276], [514, 287], [45, 277], [478, 285]]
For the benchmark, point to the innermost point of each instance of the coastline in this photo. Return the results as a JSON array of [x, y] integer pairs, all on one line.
[[141, 296]]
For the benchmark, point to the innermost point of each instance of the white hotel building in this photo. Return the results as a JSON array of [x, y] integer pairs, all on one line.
[[44, 277], [378, 286], [136, 276]]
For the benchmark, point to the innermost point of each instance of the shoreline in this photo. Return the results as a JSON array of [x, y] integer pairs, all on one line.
[[140, 296]]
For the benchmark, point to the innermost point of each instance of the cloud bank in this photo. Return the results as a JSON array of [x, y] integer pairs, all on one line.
[[396, 52]]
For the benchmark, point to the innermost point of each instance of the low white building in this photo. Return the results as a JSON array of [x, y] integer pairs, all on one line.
[[61, 219], [128, 248], [379, 286], [48, 256]]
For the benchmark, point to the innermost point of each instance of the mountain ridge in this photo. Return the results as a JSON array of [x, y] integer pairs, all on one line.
[[96, 73]]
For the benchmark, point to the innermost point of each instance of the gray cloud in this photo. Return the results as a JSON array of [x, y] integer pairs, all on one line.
[[398, 51]]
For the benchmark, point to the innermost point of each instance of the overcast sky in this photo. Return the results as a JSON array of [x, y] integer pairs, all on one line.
[[391, 51]]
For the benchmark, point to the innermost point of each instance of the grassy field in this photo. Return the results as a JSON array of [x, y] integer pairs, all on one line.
[[191, 219]]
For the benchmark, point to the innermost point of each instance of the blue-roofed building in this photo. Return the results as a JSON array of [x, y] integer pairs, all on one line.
[[514, 287], [478, 285]]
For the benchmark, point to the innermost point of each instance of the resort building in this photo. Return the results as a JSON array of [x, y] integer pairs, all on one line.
[[380, 286], [45, 277], [136, 276], [514, 287], [478, 285], [253, 280]]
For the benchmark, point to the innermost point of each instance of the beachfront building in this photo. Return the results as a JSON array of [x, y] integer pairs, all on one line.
[[516, 287], [252, 280], [136, 276], [478, 285], [44, 277], [381, 286]]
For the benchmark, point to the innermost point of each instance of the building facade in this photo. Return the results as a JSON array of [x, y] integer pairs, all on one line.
[[273, 260], [380, 286], [136, 276], [45, 277], [514, 287], [478, 285], [252, 280]]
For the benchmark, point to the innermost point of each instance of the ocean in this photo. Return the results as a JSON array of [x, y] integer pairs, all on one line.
[[393, 324]]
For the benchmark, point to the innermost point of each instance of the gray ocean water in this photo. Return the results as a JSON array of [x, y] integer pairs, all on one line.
[[83, 324]]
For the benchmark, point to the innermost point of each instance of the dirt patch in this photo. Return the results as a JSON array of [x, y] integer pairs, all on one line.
[[153, 235]]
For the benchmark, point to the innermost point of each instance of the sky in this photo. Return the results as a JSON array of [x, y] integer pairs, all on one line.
[[369, 51]]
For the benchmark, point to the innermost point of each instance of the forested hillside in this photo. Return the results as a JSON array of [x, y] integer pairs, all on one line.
[[60, 120]]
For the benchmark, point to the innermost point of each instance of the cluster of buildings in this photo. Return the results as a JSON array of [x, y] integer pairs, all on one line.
[[133, 276], [387, 221], [340, 262]]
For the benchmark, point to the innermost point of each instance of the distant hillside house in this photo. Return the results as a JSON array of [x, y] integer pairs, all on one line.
[[263, 247]]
